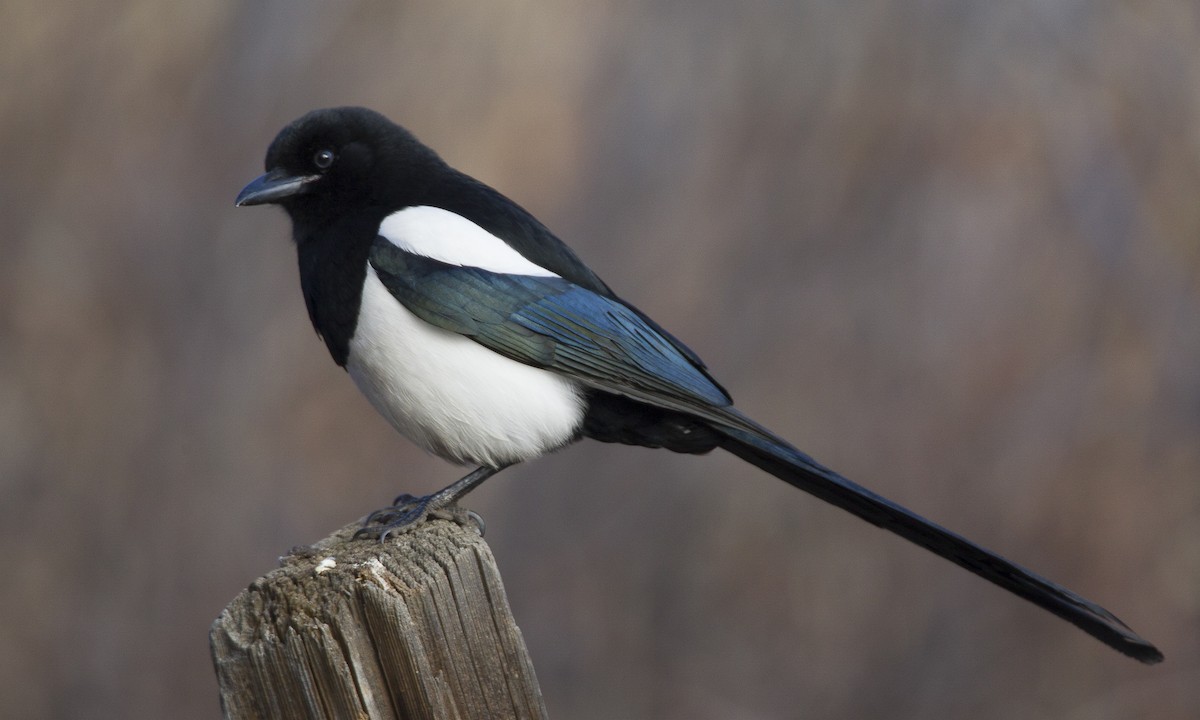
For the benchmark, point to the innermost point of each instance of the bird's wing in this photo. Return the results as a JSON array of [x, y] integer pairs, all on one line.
[[550, 323], [506, 219]]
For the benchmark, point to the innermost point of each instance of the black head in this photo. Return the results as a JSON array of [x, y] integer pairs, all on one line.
[[340, 160]]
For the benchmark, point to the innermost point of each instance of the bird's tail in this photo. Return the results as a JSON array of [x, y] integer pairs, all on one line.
[[758, 446]]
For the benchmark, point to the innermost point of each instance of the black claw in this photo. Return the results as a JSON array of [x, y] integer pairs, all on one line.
[[408, 510], [375, 517], [364, 532], [478, 521], [406, 513], [406, 499]]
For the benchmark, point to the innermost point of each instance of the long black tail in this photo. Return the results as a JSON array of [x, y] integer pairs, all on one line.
[[759, 446]]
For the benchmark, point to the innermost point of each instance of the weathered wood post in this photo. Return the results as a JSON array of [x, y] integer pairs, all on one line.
[[417, 627]]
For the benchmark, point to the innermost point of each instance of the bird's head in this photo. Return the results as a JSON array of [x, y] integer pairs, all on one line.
[[341, 159]]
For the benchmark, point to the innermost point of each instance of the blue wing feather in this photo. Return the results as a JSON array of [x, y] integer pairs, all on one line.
[[551, 323]]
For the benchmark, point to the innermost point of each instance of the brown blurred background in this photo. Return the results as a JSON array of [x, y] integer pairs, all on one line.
[[950, 248]]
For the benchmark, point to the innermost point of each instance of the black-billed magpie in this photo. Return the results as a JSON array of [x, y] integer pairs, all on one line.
[[482, 338]]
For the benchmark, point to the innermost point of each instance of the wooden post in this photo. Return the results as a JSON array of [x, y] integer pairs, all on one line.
[[417, 627]]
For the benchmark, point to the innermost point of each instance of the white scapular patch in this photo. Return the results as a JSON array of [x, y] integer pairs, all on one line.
[[451, 238], [452, 396]]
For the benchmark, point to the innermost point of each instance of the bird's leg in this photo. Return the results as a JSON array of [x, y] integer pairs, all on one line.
[[409, 510]]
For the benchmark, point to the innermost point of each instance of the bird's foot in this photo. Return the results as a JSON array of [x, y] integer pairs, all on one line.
[[408, 511]]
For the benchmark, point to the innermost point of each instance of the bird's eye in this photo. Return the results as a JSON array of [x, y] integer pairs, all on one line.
[[323, 159]]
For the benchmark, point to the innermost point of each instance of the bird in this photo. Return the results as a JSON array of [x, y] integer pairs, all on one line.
[[484, 339]]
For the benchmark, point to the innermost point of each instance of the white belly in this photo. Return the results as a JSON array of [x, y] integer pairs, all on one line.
[[452, 396]]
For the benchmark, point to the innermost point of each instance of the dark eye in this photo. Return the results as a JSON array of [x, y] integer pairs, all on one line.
[[323, 159]]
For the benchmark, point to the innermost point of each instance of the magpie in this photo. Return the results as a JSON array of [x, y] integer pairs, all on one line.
[[484, 339]]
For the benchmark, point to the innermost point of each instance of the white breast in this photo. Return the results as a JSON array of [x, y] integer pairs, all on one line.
[[445, 392]]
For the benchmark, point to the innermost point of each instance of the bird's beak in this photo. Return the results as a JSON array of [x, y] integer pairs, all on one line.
[[274, 186]]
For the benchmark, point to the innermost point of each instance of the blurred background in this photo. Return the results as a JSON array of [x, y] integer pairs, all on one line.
[[951, 248]]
